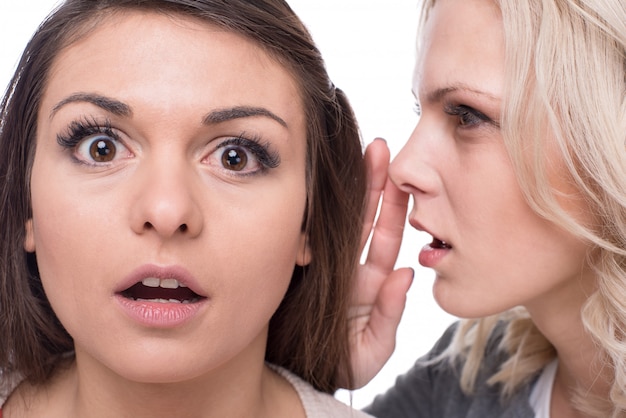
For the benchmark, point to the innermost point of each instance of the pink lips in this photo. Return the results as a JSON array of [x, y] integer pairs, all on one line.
[[157, 314], [431, 254], [160, 314]]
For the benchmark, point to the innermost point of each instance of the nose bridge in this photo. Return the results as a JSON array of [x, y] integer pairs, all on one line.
[[166, 202], [414, 169]]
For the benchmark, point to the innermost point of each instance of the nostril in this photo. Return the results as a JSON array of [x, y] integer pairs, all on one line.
[[148, 226]]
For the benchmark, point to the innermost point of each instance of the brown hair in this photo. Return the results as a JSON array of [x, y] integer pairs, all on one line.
[[308, 333]]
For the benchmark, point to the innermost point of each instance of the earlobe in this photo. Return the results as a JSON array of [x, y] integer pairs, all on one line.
[[304, 255], [29, 239]]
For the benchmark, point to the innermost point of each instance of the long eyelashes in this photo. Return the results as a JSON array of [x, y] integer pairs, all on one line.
[[261, 151], [243, 155], [467, 117], [78, 130]]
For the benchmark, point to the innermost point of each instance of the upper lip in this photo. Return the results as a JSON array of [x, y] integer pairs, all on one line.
[[415, 224], [162, 272]]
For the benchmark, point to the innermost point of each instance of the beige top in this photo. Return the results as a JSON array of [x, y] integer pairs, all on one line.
[[318, 404]]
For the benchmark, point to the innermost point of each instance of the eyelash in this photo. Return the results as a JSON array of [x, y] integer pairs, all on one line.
[[78, 130], [261, 151], [468, 116]]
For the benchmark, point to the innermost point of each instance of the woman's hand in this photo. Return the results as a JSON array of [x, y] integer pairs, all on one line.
[[380, 293]]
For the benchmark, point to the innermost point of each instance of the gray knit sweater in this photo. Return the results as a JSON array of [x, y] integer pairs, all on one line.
[[433, 391]]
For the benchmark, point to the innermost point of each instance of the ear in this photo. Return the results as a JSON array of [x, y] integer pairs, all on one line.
[[304, 255], [29, 240]]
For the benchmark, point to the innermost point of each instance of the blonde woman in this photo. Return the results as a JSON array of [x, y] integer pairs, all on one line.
[[517, 168]]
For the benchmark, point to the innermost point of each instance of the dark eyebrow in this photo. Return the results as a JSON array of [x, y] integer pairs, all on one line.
[[121, 109], [237, 112], [110, 105]]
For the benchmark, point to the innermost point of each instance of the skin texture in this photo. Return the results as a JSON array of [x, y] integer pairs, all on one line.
[[167, 200]]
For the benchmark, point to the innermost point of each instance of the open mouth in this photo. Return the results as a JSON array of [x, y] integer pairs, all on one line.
[[153, 289], [439, 244]]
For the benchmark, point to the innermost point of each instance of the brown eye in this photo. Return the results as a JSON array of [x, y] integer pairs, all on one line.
[[239, 157], [234, 159], [102, 150]]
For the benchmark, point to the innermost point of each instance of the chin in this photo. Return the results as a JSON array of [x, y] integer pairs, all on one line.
[[153, 366], [458, 303], [164, 375]]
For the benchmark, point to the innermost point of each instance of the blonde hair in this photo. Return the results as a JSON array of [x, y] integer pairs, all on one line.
[[565, 70]]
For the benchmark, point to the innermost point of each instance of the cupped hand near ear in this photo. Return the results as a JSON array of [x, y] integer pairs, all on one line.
[[380, 290]]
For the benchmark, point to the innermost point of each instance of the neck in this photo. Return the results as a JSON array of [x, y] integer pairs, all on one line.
[[241, 389], [581, 364]]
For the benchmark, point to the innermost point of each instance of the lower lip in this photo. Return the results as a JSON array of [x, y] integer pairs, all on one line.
[[159, 315], [430, 257]]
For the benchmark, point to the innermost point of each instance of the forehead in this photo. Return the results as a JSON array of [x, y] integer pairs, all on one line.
[[151, 35], [158, 58], [462, 44]]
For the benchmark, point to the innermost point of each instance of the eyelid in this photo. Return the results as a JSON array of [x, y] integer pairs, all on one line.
[[459, 110], [80, 130], [261, 151]]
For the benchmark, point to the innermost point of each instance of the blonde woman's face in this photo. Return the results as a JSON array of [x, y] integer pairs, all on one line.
[[168, 193], [490, 251]]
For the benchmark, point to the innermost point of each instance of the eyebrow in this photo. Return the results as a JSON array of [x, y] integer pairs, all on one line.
[[438, 94], [110, 105], [238, 112], [122, 109]]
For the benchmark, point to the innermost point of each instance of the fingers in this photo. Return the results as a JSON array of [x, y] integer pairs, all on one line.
[[391, 301], [380, 293], [387, 236], [377, 162], [376, 342], [387, 233], [387, 312]]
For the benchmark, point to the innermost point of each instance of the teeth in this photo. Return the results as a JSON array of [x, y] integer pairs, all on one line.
[[159, 300], [164, 283], [169, 284], [151, 282], [184, 302]]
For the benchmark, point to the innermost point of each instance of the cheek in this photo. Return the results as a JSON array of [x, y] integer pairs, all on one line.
[[70, 236]]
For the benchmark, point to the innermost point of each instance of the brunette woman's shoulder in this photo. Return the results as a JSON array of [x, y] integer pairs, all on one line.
[[318, 404]]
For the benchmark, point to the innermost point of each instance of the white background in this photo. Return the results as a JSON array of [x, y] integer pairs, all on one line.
[[369, 50]]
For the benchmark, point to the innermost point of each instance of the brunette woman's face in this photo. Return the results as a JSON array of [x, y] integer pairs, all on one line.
[[168, 193], [490, 251]]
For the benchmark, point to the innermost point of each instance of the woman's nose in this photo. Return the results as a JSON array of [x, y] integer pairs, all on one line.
[[413, 170], [165, 201]]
